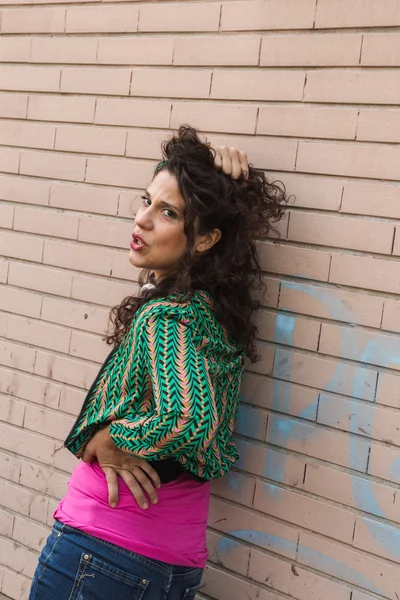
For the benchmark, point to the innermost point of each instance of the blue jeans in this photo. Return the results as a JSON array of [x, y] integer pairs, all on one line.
[[76, 566]]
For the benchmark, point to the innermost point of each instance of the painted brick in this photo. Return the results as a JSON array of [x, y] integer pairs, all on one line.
[[305, 50], [266, 353], [13, 106], [46, 222], [331, 303], [388, 390], [17, 356], [171, 83], [96, 140], [235, 486], [377, 537], [251, 422], [86, 198], [26, 444], [121, 172], [396, 248], [122, 269], [38, 79], [220, 117], [100, 291], [71, 400], [9, 160], [145, 143], [20, 301], [41, 279], [135, 51], [384, 463], [63, 50], [258, 85], [360, 160], [11, 499], [28, 387], [4, 264], [43, 479], [6, 216], [88, 346], [36, 333], [52, 165], [14, 49], [10, 467], [115, 19], [77, 109], [273, 328], [319, 442], [31, 135], [16, 245], [179, 17], [273, 14], [70, 256], [307, 121], [47, 422], [218, 51], [96, 230], [227, 553], [75, 314], [365, 272], [379, 125], [133, 112], [17, 557], [375, 199], [65, 370], [12, 411], [15, 585], [361, 13], [352, 86], [290, 260], [292, 579], [33, 20], [102, 80], [381, 50], [310, 191], [219, 585], [354, 233]]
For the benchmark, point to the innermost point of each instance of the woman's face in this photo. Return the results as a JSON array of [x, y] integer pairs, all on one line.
[[158, 240]]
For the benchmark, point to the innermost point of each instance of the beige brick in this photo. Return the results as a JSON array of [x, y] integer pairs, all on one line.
[[372, 198], [197, 16], [26, 444], [365, 272], [220, 584], [15, 585], [38, 79], [361, 13], [381, 50], [396, 248], [79, 257], [106, 292], [383, 462], [17, 356], [17, 557], [13, 106], [28, 387], [40, 278], [103, 80], [44, 480], [47, 422], [101, 231], [371, 535], [305, 50], [33, 20], [145, 143], [46, 222], [6, 216], [96, 140], [122, 269], [121, 172], [381, 125], [258, 85], [21, 246], [14, 49], [30, 534], [10, 467], [354, 160], [75, 314], [129, 201], [11, 499], [388, 390], [63, 50], [19, 301], [290, 260], [77, 109], [391, 316], [352, 86], [171, 83], [324, 555], [269, 15], [307, 121], [210, 51], [305, 333], [24, 189], [135, 51], [107, 19], [37, 333], [308, 191], [3, 270], [213, 116], [12, 411], [132, 112], [88, 346], [354, 233], [52, 165], [237, 487], [331, 303], [31, 135], [84, 198], [266, 361], [9, 160], [71, 400], [236, 559], [292, 579], [65, 370]]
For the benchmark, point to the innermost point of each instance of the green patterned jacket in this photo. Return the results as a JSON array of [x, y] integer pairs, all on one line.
[[170, 389]]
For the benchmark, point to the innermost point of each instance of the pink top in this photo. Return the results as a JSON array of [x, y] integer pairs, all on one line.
[[172, 531]]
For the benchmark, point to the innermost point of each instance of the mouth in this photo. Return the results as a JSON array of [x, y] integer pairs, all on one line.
[[137, 242]]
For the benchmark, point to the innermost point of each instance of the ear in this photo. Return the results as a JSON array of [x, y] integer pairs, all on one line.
[[206, 241]]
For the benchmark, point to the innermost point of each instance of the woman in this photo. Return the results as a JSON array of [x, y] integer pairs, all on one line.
[[156, 426]]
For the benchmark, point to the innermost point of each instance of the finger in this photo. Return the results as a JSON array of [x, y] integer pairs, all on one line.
[[150, 472], [135, 488], [88, 455], [244, 163], [235, 163], [146, 484], [112, 484], [218, 159], [226, 163]]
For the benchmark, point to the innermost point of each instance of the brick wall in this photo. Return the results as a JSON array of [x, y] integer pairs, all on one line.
[[309, 88]]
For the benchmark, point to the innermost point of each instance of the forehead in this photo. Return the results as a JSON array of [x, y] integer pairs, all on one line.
[[164, 187]]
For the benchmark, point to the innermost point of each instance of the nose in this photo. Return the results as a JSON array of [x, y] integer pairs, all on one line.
[[144, 218]]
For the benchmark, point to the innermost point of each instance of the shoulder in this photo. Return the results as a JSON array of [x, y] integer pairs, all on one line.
[[161, 309]]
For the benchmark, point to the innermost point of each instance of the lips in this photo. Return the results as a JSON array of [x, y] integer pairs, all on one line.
[[137, 242]]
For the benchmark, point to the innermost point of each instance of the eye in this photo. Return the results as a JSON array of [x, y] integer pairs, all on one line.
[[146, 200], [169, 213]]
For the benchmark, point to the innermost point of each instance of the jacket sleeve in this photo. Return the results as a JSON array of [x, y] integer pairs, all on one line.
[[184, 418]]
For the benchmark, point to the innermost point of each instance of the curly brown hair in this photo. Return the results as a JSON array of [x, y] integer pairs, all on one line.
[[243, 209]]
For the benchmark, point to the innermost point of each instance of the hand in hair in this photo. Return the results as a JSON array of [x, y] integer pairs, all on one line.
[[231, 161], [139, 476]]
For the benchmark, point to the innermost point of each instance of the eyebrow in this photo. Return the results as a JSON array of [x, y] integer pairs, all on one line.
[[166, 204]]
